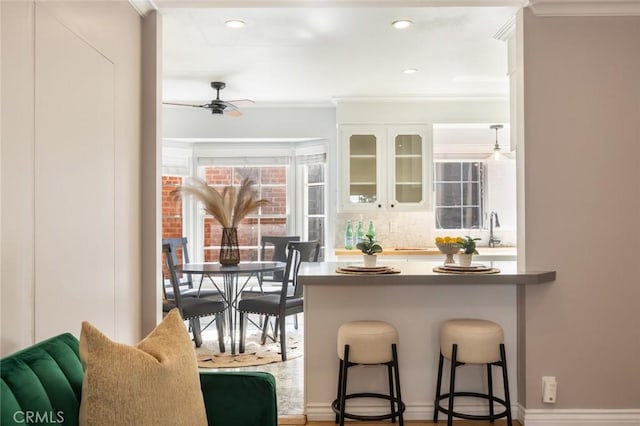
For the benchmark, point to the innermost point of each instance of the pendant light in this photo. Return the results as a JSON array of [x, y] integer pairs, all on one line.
[[496, 155]]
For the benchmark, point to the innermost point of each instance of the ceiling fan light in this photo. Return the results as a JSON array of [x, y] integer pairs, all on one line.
[[235, 23], [401, 24]]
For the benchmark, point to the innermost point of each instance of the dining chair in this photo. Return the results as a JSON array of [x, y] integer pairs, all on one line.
[[277, 245], [180, 255], [192, 308], [288, 302]]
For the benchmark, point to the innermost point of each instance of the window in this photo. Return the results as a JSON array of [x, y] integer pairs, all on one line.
[[314, 203], [293, 179], [271, 184], [458, 195]]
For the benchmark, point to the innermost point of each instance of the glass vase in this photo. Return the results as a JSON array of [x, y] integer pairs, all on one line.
[[229, 249]]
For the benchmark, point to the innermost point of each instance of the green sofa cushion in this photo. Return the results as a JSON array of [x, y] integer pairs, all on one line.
[[43, 383], [229, 402]]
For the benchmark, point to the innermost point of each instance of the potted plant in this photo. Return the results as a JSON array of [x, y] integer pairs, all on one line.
[[369, 247], [468, 245]]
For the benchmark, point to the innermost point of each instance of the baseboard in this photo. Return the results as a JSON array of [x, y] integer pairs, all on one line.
[[292, 419], [415, 411], [532, 417], [576, 417]]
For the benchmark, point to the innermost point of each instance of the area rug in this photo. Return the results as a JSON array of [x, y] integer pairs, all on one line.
[[209, 355]]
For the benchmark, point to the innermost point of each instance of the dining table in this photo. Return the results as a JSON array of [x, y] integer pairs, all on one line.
[[231, 290]]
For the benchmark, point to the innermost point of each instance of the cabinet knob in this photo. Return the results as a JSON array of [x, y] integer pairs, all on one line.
[[379, 206], [392, 206]]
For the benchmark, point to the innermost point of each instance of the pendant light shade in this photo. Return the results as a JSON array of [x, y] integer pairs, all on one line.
[[497, 154]]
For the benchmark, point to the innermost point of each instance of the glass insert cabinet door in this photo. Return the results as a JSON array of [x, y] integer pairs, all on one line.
[[408, 156], [363, 168], [385, 167]]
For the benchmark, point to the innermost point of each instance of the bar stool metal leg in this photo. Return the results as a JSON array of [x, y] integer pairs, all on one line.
[[452, 383], [490, 389], [390, 378], [436, 402], [339, 388], [343, 385], [396, 367], [507, 399]]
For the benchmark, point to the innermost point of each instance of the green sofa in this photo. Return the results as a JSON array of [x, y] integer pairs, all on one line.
[[42, 384]]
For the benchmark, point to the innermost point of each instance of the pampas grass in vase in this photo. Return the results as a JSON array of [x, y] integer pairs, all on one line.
[[228, 207]]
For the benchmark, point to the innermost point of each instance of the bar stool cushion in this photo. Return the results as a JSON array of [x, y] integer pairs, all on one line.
[[369, 341], [478, 340]]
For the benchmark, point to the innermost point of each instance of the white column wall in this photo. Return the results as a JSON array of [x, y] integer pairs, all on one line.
[[70, 170]]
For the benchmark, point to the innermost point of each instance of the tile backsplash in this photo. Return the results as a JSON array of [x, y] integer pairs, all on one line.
[[412, 229]]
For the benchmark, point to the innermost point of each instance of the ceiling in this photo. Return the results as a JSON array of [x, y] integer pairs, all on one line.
[[317, 56]]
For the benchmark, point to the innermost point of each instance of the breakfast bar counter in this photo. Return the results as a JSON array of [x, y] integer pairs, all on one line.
[[419, 273], [416, 301]]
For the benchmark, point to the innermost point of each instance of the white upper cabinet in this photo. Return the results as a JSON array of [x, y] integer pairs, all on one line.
[[385, 167]]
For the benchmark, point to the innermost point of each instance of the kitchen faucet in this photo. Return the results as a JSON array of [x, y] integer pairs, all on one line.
[[493, 221]]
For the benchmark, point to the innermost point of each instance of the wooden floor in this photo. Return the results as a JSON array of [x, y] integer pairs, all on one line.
[[299, 420]]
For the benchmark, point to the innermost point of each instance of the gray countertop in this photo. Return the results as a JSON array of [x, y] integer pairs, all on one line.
[[419, 273]]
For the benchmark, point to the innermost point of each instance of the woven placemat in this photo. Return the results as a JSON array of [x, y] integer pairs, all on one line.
[[364, 271], [450, 271]]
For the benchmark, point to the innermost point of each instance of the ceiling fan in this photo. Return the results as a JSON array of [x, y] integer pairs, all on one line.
[[218, 106]]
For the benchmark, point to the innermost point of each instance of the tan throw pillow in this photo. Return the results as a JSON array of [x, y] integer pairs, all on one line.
[[155, 382]]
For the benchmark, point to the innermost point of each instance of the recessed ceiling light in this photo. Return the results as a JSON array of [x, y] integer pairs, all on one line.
[[410, 71], [401, 24], [235, 23]]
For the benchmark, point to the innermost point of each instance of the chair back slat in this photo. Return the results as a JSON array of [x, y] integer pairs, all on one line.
[[303, 251], [173, 277], [179, 247], [279, 243]]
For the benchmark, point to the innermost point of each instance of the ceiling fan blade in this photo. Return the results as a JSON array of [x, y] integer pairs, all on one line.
[[232, 113], [189, 105], [242, 101], [227, 105]]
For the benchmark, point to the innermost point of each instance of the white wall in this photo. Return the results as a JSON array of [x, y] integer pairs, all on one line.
[[70, 170]]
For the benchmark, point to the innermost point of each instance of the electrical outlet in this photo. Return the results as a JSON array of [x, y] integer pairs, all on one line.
[[393, 226], [549, 389]]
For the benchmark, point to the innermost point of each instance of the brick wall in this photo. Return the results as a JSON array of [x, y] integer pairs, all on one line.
[[171, 208], [172, 221]]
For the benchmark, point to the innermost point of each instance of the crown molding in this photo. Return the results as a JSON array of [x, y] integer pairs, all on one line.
[[335, 3], [143, 6], [585, 7]]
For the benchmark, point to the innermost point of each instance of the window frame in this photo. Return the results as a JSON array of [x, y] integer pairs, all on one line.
[[481, 196]]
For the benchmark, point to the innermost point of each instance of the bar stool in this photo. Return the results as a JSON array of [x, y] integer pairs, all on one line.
[[370, 343], [472, 341]]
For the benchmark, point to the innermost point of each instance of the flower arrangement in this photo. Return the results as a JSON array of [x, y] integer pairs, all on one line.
[[228, 207], [448, 246], [369, 246], [448, 240]]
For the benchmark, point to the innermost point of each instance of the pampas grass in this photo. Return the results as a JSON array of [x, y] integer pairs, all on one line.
[[228, 207]]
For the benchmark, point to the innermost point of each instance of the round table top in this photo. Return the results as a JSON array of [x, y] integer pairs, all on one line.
[[216, 268]]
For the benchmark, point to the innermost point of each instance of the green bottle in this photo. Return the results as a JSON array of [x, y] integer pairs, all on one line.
[[359, 232], [372, 230], [348, 236]]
